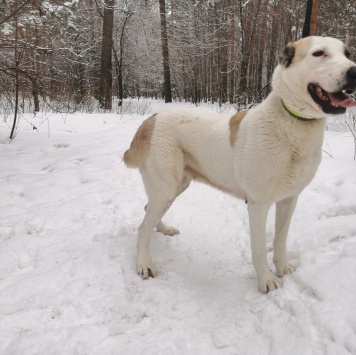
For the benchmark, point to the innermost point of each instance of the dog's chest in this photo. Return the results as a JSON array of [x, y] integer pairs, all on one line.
[[294, 171], [293, 153]]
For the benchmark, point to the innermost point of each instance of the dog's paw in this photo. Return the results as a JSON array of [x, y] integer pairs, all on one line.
[[285, 269], [146, 269], [167, 230], [269, 283]]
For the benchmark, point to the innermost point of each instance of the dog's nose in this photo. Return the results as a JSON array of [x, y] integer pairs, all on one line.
[[351, 73]]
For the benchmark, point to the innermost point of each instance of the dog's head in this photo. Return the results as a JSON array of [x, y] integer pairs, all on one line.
[[316, 77]]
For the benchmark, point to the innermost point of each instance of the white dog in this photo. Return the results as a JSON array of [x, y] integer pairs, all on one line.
[[266, 155]]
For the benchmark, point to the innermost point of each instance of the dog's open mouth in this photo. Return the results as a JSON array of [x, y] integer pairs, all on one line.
[[332, 103]]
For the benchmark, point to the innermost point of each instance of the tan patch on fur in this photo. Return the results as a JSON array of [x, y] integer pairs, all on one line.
[[234, 124], [140, 146], [301, 47]]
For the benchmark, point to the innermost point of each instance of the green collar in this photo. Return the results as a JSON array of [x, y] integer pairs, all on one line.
[[295, 114]]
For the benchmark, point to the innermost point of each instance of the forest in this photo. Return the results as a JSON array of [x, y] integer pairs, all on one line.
[[84, 54], [77, 79]]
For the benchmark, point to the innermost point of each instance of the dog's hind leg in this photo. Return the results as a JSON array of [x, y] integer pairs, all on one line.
[[156, 208], [166, 230], [284, 213], [163, 228], [160, 197]]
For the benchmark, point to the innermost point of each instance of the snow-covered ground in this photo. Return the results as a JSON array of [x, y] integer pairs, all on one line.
[[69, 212]]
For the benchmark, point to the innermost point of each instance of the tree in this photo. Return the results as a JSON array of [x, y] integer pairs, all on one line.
[[27, 73], [17, 84], [127, 13], [165, 52], [314, 18], [212, 50], [105, 98]]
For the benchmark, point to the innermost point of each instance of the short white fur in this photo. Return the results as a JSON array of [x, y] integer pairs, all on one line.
[[274, 158]]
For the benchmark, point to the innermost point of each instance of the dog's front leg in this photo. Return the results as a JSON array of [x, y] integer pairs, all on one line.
[[284, 213], [258, 216]]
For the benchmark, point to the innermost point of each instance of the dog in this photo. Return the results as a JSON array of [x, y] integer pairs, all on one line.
[[266, 155]]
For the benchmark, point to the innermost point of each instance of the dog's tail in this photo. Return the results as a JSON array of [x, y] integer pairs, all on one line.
[[140, 145], [130, 158]]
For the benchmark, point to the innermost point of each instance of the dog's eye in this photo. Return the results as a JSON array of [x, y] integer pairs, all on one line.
[[319, 54], [347, 54]]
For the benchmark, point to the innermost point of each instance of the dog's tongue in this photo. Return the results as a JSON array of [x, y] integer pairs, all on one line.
[[337, 100]]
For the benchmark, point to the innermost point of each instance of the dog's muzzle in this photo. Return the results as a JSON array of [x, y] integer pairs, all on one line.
[[335, 102]]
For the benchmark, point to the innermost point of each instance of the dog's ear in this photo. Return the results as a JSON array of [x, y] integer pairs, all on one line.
[[286, 57]]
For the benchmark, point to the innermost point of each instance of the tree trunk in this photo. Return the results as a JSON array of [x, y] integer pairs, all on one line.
[[35, 71], [106, 56], [251, 89], [120, 87], [119, 60], [224, 57], [232, 54], [314, 18], [165, 52], [17, 83]]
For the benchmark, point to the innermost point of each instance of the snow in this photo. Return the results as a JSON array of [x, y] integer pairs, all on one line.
[[69, 212]]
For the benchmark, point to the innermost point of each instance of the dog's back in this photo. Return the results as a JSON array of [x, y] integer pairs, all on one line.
[[189, 143]]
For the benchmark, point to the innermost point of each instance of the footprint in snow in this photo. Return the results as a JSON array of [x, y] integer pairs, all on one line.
[[5, 232], [61, 145], [34, 226], [85, 181], [48, 168], [79, 161]]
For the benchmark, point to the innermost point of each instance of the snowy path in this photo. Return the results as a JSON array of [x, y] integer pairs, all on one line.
[[69, 210]]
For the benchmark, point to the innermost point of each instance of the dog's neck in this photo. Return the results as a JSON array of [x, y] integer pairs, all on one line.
[[296, 114]]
